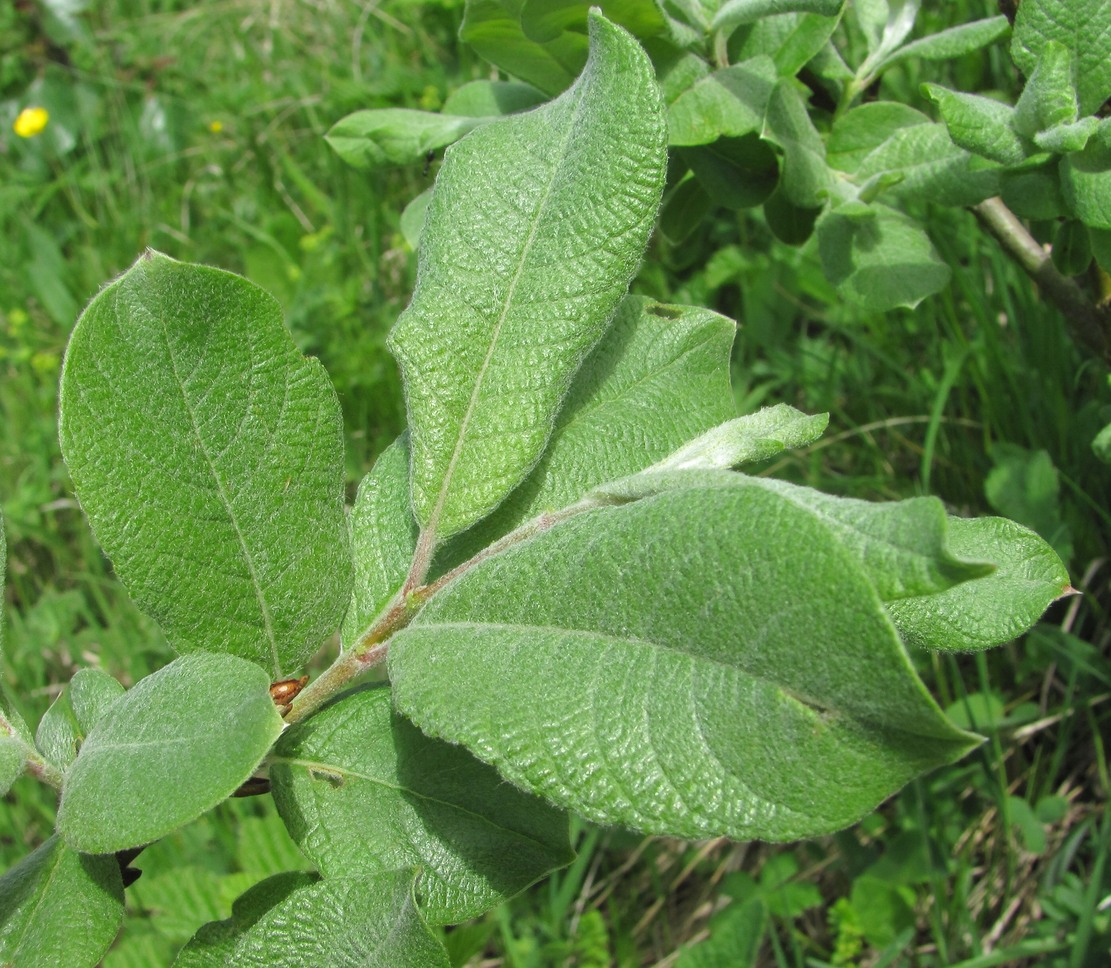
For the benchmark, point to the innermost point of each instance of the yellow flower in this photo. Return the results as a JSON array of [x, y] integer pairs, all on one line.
[[215, 126], [30, 122]]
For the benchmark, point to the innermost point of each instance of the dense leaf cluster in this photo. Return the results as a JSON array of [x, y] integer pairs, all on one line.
[[572, 587]]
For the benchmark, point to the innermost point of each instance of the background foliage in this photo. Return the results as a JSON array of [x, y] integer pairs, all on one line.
[[199, 130]]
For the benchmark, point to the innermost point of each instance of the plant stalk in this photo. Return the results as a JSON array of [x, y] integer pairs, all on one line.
[[1089, 323]]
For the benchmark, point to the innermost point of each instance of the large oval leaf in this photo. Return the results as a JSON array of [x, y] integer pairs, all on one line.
[[476, 840], [534, 231], [208, 454], [178, 743], [700, 663]]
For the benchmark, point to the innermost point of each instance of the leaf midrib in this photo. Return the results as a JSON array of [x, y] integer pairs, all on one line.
[[472, 404]]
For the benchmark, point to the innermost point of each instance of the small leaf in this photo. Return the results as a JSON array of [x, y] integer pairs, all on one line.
[[292, 921], [705, 662], [545, 20], [989, 611], [1072, 248], [176, 744], [734, 13], [792, 40], [383, 538], [537, 224], [730, 102], [412, 218], [494, 30], [1082, 26], [1034, 194], [885, 139], [882, 258], [1049, 98], [789, 223], [371, 140], [952, 42], [59, 907], [805, 178], [735, 172], [1086, 184], [492, 99], [208, 455], [476, 840], [1067, 138], [13, 760], [64, 726], [979, 124], [755, 437]]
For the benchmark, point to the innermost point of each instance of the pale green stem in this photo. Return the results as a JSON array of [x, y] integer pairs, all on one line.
[[372, 646], [36, 765]]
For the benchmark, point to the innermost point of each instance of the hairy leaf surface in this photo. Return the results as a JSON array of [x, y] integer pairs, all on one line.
[[383, 537], [700, 663], [996, 608], [363, 791], [535, 228], [293, 921], [59, 907], [659, 377], [176, 744], [64, 726], [208, 455]]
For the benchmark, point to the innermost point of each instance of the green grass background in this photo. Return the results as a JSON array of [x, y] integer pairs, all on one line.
[[197, 130]]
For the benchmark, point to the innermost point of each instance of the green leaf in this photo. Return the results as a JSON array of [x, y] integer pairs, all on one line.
[[476, 840], [545, 20], [176, 744], [493, 29], [371, 140], [13, 760], [755, 437], [1067, 138], [684, 209], [59, 907], [1049, 98], [1084, 27], [789, 223], [979, 124], [792, 40], [989, 611], [208, 456], [1101, 250], [537, 224], [736, 935], [884, 138], [735, 172], [952, 42], [1023, 485], [1034, 194], [733, 13], [902, 546], [805, 178], [730, 102], [412, 218], [291, 921], [885, 25], [704, 662], [882, 258], [659, 377], [64, 726], [490, 99], [1072, 248], [1086, 184], [383, 538]]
